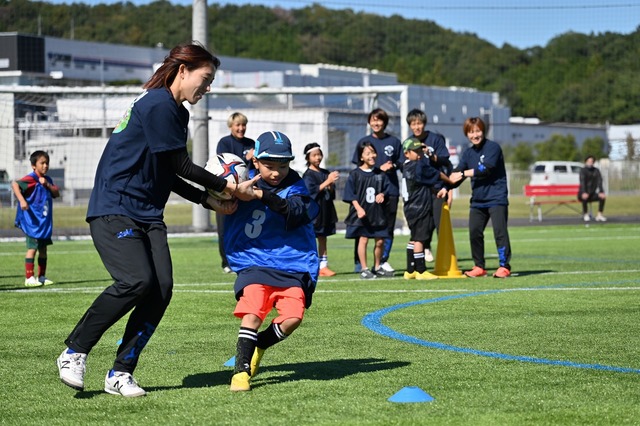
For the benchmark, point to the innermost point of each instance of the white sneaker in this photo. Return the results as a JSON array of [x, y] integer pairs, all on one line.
[[387, 267], [72, 368], [586, 217], [121, 383], [44, 280], [227, 270], [428, 256], [32, 282], [600, 218]]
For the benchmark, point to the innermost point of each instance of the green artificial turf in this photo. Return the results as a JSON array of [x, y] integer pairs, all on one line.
[[574, 298]]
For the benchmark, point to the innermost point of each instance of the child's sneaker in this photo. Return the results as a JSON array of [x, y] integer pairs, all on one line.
[[600, 218], [32, 282], [44, 280], [428, 256], [255, 360], [72, 367], [381, 273], [586, 217], [426, 276], [227, 270], [121, 383], [240, 382], [366, 274], [410, 275], [387, 268], [476, 272], [502, 272]]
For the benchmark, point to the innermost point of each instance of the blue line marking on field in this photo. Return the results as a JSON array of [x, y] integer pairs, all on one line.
[[373, 321]]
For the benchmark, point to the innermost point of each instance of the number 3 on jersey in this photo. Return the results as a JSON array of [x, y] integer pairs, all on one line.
[[254, 228]]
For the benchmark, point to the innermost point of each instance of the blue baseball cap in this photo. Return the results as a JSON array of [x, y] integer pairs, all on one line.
[[273, 146]]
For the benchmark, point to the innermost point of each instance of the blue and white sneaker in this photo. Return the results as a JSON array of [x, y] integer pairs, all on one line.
[[121, 383], [72, 367]]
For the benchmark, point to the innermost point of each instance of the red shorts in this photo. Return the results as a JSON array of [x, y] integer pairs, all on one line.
[[259, 299]]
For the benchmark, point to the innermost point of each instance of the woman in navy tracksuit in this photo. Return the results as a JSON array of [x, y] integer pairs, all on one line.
[[483, 162]]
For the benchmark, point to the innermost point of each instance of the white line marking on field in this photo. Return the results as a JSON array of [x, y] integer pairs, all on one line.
[[591, 238], [90, 290]]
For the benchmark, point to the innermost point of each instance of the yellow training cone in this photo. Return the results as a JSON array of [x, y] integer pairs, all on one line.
[[446, 260]]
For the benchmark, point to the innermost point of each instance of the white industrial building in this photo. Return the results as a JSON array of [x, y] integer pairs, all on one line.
[[274, 95]]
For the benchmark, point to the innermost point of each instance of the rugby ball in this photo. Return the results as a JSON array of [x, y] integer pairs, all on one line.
[[227, 166]]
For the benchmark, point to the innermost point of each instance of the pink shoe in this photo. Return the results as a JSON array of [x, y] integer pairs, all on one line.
[[476, 272], [326, 272], [502, 272]]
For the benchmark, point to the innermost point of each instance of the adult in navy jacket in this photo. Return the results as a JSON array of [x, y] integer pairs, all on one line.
[[483, 163]]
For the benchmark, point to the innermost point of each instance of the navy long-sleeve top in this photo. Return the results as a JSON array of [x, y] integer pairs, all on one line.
[[489, 181]]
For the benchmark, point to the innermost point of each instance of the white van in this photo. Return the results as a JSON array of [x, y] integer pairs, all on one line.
[[555, 173]]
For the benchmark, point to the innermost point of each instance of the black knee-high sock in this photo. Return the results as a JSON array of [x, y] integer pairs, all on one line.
[[270, 336], [411, 266], [419, 260], [247, 339], [42, 266]]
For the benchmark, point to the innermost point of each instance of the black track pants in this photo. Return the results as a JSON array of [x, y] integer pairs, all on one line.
[[137, 257], [478, 219]]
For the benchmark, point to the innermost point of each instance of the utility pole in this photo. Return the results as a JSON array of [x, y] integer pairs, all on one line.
[[200, 217]]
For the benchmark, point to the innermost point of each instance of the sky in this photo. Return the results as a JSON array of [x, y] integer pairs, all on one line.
[[520, 23]]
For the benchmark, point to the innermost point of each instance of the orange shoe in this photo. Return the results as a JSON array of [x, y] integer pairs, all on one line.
[[326, 272], [476, 272], [502, 272]]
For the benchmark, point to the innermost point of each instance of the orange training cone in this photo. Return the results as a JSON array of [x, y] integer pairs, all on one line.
[[446, 261]]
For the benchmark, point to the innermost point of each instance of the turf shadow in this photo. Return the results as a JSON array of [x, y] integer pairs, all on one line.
[[54, 285], [12, 276], [317, 370], [94, 393]]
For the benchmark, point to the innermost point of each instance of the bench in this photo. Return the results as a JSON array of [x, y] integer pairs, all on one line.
[[535, 191]]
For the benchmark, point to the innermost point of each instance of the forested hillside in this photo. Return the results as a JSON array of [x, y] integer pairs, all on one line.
[[576, 78]]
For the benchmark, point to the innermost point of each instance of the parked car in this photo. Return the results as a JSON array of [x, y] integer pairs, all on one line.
[[555, 173]]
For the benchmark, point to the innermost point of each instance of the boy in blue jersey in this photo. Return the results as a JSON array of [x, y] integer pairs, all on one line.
[[235, 143], [270, 244], [35, 193]]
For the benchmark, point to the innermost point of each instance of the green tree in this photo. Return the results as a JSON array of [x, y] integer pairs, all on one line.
[[576, 77], [520, 156], [558, 147], [594, 146]]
